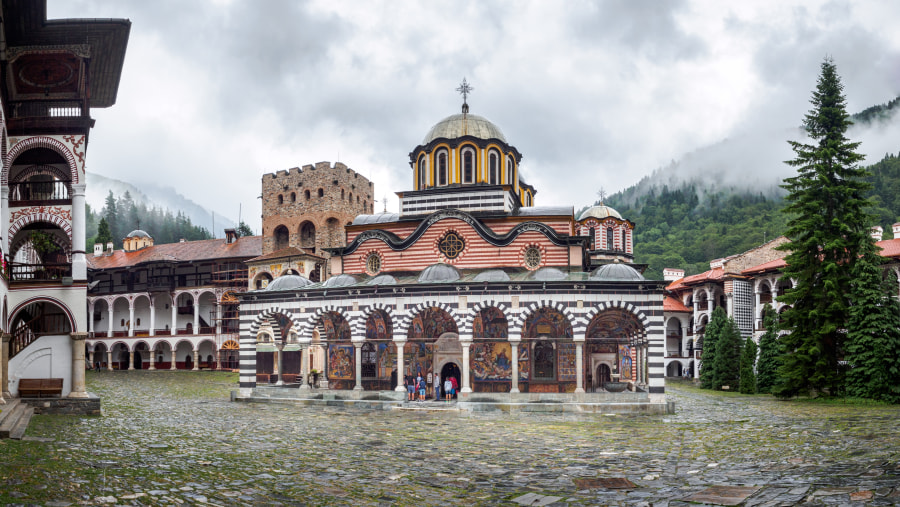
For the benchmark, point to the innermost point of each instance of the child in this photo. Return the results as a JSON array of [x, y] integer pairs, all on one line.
[[448, 389]]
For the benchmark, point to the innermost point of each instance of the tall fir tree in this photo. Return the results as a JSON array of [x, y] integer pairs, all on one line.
[[710, 345], [825, 230], [873, 332], [103, 234], [748, 363], [728, 356], [767, 366]]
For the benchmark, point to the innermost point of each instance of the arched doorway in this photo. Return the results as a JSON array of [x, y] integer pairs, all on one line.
[[451, 369], [604, 375]]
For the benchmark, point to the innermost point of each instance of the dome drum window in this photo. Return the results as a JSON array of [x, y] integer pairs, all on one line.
[[373, 263], [451, 245], [469, 168]]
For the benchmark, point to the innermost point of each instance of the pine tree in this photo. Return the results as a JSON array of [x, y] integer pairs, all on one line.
[[767, 366], [825, 229], [710, 344], [728, 356], [748, 361], [873, 333], [244, 230], [103, 234], [110, 213]]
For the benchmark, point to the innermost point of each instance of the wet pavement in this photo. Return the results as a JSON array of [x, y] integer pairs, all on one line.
[[174, 438]]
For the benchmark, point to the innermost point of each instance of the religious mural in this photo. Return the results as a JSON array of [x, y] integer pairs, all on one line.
[[524, 362], [614, 323], [547, 322], [340, 362], [284, 324], [378, 326], [489, 323], [431, 323], [387, 359], [624, 362], [336, 327], [418, 358], [567, 370], [491, 361]]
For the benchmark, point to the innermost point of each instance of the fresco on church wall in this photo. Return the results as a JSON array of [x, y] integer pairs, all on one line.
[[417, 358], [566, 369], [524, 362], [490, 323], [547, 322], [284, 324], [378, 326], [491, 361], [340, 362], [431, 323], [602, 348], [387, 359], [336, 327], [614, 324], [625, 362]]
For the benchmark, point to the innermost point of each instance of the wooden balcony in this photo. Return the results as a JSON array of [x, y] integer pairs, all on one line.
[[19, 272], [33, 193]]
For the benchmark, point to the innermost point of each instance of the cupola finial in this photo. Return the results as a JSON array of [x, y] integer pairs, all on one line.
[[465, 89]]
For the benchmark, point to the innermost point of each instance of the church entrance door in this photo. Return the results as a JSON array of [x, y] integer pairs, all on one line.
[[604, 375], [138, 360], [451, 370]]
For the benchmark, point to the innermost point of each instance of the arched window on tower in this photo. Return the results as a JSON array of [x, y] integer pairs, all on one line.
[[609, 238], [280, 199], [350, 198], [423, 175], [306, 194], [468, 174], [293, 196], [493, 169], [593, 238], [509, 171], [624, 240], [321, 193], [442, 169]]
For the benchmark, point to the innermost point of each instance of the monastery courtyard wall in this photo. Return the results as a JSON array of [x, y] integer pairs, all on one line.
[[173, 438]]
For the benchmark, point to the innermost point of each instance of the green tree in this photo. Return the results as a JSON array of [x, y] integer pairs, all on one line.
[[728, 356], [103, 234], [767, 366], [710, 345], [244, 230], [110, 213], [873, 332], [748, 361], [825, 230]]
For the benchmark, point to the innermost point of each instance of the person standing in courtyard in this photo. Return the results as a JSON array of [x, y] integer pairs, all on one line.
[[410, 387], [422, 385], [448, 388], [455, 385], [428, 380], [437, 387]]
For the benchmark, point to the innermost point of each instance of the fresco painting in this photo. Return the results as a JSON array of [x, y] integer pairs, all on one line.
[[524, 362], [489, 323], [614, 324], [491, 361], [336, 327], [387, 359], [625, 362], [284, 324], [547, 322], [378, 326], [417, 358], [340, 362], [431, 323], [567, 368]]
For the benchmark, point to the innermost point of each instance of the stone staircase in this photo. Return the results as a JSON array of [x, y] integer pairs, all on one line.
[[14, 419]]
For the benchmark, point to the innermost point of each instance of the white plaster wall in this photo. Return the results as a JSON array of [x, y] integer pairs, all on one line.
[[46, 357]]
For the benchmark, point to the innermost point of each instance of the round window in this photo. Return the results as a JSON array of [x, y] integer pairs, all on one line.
[[532, 257], [451, 245], [373, 263]]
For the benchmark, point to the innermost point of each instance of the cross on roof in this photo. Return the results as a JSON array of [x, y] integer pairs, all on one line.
[[465, 89], [601, 194]]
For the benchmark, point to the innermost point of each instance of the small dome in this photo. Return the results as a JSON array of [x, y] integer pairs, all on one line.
[[288, 282], [492, 275], [339, 281], [439, 273], [548, 274], [600, 211], [137, 233], [459, 125], [383, 280], [617, 273]]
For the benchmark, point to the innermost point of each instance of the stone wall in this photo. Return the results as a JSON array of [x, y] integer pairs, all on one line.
[[756, 256], [308, 207], [73, 406]]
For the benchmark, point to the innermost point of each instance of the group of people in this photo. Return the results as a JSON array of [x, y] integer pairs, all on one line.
[[418, 387]]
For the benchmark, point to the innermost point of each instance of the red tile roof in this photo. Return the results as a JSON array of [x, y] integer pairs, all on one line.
[[766, 266], [285, 252], [889, 247], [671, 304], [208, 249]]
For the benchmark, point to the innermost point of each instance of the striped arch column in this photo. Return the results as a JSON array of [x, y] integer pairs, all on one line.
[[246, 357], [656, 352]]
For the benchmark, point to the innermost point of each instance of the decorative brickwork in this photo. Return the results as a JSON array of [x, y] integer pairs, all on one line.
[[313, 204]]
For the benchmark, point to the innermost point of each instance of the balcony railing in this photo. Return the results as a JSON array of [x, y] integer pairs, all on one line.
[[38, 272], [39, 191], [24, 335], [48, 109]]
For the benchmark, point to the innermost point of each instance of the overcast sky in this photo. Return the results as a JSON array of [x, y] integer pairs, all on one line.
[[215, 94]]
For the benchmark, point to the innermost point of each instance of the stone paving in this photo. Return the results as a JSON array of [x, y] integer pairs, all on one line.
[[174, 438]]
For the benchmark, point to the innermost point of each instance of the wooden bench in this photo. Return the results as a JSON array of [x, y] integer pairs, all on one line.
[[40, 387]]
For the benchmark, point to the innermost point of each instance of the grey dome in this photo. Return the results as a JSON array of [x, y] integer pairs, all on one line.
[[600, 211], [617, 273], [288, 282], [383, 280], [459, 125], [138, 233], [548, 274], [339, 281], [492, 275], [439, 273]]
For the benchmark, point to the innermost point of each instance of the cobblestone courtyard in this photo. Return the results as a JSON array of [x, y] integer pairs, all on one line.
[[174, 438]]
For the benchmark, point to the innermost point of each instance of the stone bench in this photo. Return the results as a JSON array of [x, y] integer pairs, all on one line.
[[40, 387]]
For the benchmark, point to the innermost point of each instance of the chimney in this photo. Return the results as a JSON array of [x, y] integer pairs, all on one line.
[[230, 236], [672, 274], [896, 229], [877, 232], [98, 249], [181, 240], [109, 248]]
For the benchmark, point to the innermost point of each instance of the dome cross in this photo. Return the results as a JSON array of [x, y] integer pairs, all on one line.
[[465, 89]]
